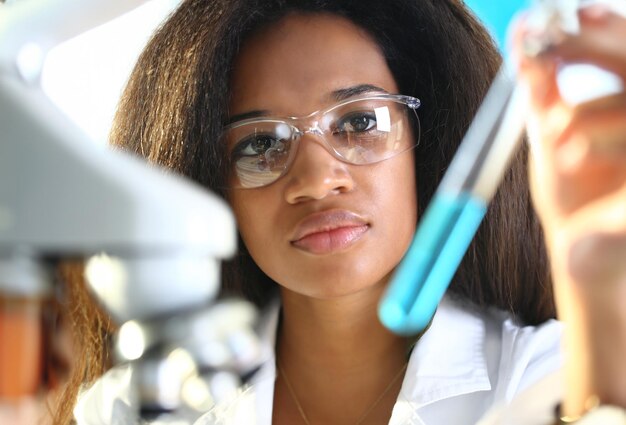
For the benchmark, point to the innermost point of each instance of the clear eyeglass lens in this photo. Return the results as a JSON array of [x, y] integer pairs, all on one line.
[[368, 131], [358, 132]]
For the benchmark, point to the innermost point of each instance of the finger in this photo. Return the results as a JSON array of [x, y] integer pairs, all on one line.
[[538, 73], [601, 125], [601, 41], [590, 157], [597, 178], [597, 237]]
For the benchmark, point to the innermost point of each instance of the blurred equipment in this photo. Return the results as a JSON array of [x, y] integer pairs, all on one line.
[[153, 241]]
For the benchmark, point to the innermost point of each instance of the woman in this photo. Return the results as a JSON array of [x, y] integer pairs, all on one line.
[[325, 217], [195, 76]]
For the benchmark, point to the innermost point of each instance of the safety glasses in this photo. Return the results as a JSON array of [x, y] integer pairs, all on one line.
[[361, 130]]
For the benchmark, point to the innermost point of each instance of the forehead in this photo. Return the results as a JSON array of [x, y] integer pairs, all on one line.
[[293, 66]]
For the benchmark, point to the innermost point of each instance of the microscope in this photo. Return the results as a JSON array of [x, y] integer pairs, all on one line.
[[151, 241]]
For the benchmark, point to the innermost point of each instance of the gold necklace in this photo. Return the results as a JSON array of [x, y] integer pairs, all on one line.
[[292, 393]]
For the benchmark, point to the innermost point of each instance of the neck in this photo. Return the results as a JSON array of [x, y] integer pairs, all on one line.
[[343, 332], [336, 350]]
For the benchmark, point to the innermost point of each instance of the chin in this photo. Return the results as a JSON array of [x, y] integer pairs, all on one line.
[[334, 288]]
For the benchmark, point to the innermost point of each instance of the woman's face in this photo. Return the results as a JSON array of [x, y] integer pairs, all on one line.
[[326, 228]]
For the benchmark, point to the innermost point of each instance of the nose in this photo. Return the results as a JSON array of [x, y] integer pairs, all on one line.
[[315, 172]]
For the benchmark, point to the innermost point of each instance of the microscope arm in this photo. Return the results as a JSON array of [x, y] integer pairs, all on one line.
[[153, 240], [63, 196]]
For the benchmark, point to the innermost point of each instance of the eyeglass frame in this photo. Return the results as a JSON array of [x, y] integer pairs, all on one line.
[[297, 132]]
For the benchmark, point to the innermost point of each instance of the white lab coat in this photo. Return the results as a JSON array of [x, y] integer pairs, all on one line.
[[537, 405], [467, 362]]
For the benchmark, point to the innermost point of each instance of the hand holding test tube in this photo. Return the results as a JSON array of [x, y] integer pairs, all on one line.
[[460, 202]]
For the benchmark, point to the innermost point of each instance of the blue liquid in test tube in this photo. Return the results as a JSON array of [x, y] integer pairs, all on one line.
[[447, 228], [456, 210]]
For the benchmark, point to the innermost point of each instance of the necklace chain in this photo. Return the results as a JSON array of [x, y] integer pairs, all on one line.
[[292, 393]]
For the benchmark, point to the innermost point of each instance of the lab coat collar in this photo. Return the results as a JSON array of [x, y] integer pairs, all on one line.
[[449, 359], [437, 369]]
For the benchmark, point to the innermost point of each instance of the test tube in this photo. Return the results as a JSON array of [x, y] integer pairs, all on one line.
[[456, 209]]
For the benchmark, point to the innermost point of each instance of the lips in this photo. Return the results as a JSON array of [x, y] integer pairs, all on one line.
[[329, 231]]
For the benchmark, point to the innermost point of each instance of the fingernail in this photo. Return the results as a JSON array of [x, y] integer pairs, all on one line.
[[598, 13]]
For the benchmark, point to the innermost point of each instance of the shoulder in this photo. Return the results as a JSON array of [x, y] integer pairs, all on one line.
[[239, 409], [533, 406], [517, 343], [526, 353], [513, 355], [252, 403], [108, 400], [470, 359]]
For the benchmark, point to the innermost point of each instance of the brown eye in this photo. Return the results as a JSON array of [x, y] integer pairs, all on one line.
[[262, 144], [356, 123], [360, 123], [255, 145]]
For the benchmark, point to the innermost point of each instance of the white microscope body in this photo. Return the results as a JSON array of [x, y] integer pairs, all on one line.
[[152, 240]]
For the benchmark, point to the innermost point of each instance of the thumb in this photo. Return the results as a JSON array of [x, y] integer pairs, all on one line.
[[537, 71]]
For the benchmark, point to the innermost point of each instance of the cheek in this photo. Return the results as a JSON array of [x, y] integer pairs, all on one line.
[[401, 195], [244, 205], [385, 192], [403, 216], [394, 195], [253, 211]]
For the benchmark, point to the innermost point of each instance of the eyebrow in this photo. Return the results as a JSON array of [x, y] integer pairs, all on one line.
[[250, 114], [348, 92], [337, 95]]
